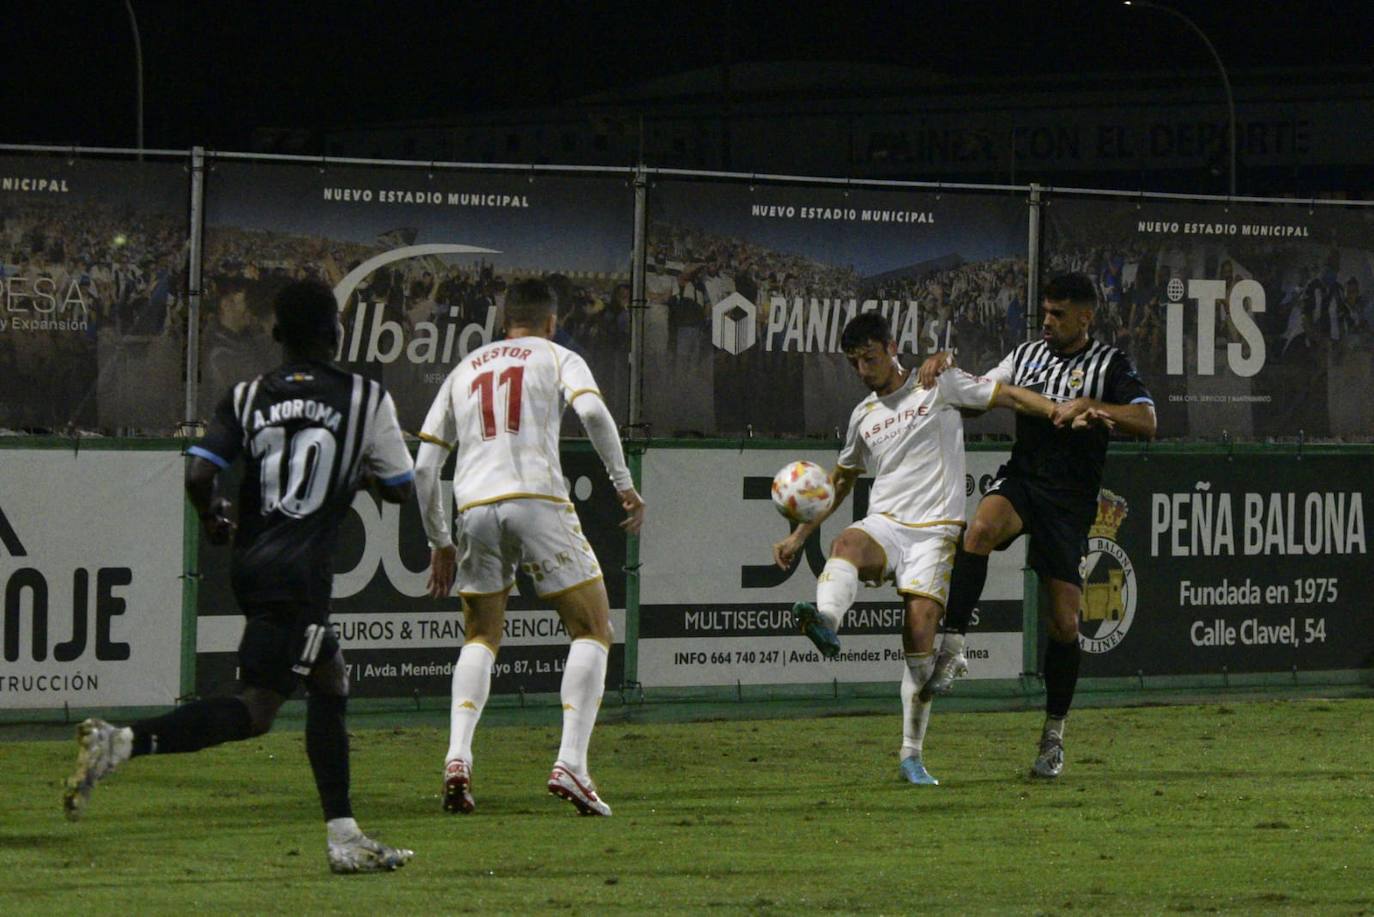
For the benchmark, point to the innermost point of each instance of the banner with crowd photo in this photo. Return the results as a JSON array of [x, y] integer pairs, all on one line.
[[93, 255], [715, 610], [1205, 564], [1251, 320], [750, 286], [397, 641], [422, 259], [90, 578]]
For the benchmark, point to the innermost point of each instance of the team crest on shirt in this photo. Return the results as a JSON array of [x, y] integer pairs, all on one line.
[[1076, 379], [1109, 584]]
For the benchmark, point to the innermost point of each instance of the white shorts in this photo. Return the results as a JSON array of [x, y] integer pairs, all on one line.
[[542, 536], [918, 558]]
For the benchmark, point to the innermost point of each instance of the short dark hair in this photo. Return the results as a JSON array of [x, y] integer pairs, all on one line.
[[307, 314], [1073, 288], [529, 302], [862, 328]]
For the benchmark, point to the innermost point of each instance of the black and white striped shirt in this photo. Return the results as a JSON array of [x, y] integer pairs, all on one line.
[[309, 432], [1067, 460]]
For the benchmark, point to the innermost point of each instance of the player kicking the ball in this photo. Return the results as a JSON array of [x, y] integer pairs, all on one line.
[[912, 439], [501, 407]]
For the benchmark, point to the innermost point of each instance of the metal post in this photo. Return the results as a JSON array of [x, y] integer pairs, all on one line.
[[1221, 68], [193, 291], [1033, 264], [138, 62], [638, 304]]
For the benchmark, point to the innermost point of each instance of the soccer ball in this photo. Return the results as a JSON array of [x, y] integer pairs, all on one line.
[[802, 491]]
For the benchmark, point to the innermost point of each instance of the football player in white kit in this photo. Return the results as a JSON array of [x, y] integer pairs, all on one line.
[[501, 408], [912, 440]]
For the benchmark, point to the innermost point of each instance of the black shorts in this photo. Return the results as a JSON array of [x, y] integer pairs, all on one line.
[[282, 642], [1057, 524]]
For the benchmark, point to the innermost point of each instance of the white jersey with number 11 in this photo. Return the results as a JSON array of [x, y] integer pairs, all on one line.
[[502, 407]]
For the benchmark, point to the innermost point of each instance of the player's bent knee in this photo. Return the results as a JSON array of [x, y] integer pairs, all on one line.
[[980, 539], [849, 546], [1062, 631], [262, 707]]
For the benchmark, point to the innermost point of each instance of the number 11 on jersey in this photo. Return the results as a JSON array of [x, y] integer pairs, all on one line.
[[485, 386]]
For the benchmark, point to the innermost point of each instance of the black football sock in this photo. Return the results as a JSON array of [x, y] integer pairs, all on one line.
[[326, 744], [1061, 676], [965, 589], [198, 725]]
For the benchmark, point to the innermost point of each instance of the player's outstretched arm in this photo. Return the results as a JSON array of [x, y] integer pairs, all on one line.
[[1131, 419], [785, 551], [1023, 401]]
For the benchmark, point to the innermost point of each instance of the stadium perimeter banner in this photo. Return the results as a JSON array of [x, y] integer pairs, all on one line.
[[1204, 563], [397, 641], [749, 288], [90, 577], [714, 609], [424, 258], [1253, 320], [92, 311]]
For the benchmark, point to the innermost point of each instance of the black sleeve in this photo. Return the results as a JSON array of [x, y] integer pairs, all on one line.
[[223, 440], [1124, 385]]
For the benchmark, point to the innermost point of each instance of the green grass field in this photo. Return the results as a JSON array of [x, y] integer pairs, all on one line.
[[1254, 807]]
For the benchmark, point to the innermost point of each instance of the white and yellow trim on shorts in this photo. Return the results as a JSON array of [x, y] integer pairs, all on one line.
[[487, 595], [514, 496], [566, 589], [924, 525], [922, 594]]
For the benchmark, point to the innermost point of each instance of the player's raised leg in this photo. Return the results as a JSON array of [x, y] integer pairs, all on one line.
[[102, 747], [483, 618], [585, 612], [994, 524], [853, 554]]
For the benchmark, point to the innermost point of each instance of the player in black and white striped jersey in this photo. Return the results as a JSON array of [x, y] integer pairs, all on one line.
[[1049, 488], [311, 435]]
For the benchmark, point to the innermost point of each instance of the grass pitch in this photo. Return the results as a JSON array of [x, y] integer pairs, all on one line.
[[1256, 807]]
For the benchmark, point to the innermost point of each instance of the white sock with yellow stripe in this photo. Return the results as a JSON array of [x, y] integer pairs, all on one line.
[[915, 714], [471, 685], [836, 588], [584, 680]]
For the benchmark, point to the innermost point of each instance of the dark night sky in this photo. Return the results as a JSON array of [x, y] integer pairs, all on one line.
[[216, 70]]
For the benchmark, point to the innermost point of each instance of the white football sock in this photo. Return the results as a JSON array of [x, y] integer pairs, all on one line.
[[341, 830], [915, 714], [835, 590], [471, 685], [584, 679], [123, 745]]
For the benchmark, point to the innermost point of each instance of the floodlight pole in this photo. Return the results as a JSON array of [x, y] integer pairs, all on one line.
[[138, 62], [1225, 79]]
